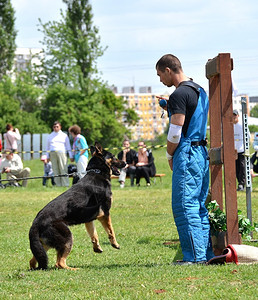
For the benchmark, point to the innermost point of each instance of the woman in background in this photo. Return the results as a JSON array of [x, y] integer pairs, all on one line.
[[12, 136], [80, 150]]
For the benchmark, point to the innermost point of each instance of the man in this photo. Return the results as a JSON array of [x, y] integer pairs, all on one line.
[[58, 145], [13, 167], [239, 146], [127, 155], [187, 158]]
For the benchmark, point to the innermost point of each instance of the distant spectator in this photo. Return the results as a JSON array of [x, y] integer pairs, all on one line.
[[80, 150], [12, 136], [58, 145], [127, 155], [13, 167], [239, 146], [48, 171], [0, 149], [145, 166]]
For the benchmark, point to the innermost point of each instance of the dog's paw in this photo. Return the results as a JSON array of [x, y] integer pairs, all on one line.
[[117, 246], [97, 249]]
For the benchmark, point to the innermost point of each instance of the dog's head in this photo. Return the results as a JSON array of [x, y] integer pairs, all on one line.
[[109, 159]]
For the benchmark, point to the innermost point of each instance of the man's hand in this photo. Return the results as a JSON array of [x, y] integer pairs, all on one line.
[[170, 162], [6, 170]]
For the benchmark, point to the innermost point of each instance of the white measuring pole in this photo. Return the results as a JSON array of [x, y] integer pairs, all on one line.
[[247, 159]]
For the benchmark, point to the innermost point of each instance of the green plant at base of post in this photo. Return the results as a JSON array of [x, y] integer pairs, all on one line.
[[218, 221]]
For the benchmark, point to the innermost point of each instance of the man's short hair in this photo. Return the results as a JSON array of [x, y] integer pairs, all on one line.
[[169, 61], [57, 123]]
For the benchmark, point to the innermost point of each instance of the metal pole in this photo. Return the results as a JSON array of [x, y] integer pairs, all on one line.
[[247, 159]]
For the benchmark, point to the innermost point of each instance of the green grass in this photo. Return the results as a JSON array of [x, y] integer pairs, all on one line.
[[141, 269]]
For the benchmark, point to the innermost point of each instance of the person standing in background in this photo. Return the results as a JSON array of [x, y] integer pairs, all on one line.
[[48, 171], [239, 146], [80, 150], [12, 136], [58, 145]]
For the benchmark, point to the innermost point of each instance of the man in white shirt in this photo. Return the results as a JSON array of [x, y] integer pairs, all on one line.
[[13, 167], [58, 145], [239, 146]]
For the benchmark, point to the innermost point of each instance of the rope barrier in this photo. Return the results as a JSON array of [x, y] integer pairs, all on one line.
[[39, 177]]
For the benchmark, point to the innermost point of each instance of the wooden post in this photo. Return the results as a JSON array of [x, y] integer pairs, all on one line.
[[218, 71]]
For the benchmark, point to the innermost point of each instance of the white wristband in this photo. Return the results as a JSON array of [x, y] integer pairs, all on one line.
[[169, 157]]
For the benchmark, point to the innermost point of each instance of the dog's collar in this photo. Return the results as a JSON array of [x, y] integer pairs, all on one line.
[[97, 171]]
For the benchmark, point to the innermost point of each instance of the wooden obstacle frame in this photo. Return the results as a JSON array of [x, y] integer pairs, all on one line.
[[222, 151]]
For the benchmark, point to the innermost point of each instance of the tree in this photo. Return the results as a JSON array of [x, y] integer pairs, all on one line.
[[99, 115], [8, 36], [254, 111], [84, 39], [74, 93], [72, 47], [27, 92], [11, 110]]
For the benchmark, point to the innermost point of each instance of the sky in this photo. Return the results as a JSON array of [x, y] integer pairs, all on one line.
[[138, 32]]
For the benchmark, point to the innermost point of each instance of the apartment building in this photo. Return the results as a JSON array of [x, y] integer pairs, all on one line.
[[153, 120], [26, 56]]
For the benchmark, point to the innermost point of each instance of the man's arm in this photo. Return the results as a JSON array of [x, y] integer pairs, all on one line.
[[176, 119]]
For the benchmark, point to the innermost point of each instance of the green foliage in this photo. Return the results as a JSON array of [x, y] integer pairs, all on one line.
[[254, 112], [218, 221], [99, 115], [253, 128], [7, 36], [27, 92], [72, 48], [12, 95], [217, 218]]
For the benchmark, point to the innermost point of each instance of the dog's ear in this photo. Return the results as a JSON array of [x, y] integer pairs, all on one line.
[[99, 149], [92, 150]]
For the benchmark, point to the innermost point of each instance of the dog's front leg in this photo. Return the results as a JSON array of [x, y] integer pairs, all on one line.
[[94, 236], [107, 224]]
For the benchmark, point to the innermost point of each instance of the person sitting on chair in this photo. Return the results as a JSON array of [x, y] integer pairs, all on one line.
[[127, 155], [145, 166], [13, 167]]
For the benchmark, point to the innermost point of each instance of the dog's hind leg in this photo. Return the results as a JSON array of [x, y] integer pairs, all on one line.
[[33, 263], [94, 236], [63, 241], [107, 224], [62, 255]]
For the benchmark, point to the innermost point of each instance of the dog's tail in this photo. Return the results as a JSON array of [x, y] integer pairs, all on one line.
[[37, 248]]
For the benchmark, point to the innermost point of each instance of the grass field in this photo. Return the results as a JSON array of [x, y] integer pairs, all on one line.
[[143, 267]]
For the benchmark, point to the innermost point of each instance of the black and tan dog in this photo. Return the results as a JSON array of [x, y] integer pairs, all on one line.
[[87, 200]]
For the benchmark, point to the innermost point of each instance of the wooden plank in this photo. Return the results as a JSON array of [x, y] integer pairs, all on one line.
[[228, 149], [215, 138]]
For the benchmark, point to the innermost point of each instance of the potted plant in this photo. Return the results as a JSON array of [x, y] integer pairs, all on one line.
[[218, 225]]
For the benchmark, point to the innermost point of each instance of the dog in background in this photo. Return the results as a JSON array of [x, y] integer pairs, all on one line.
[[87, 200]]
